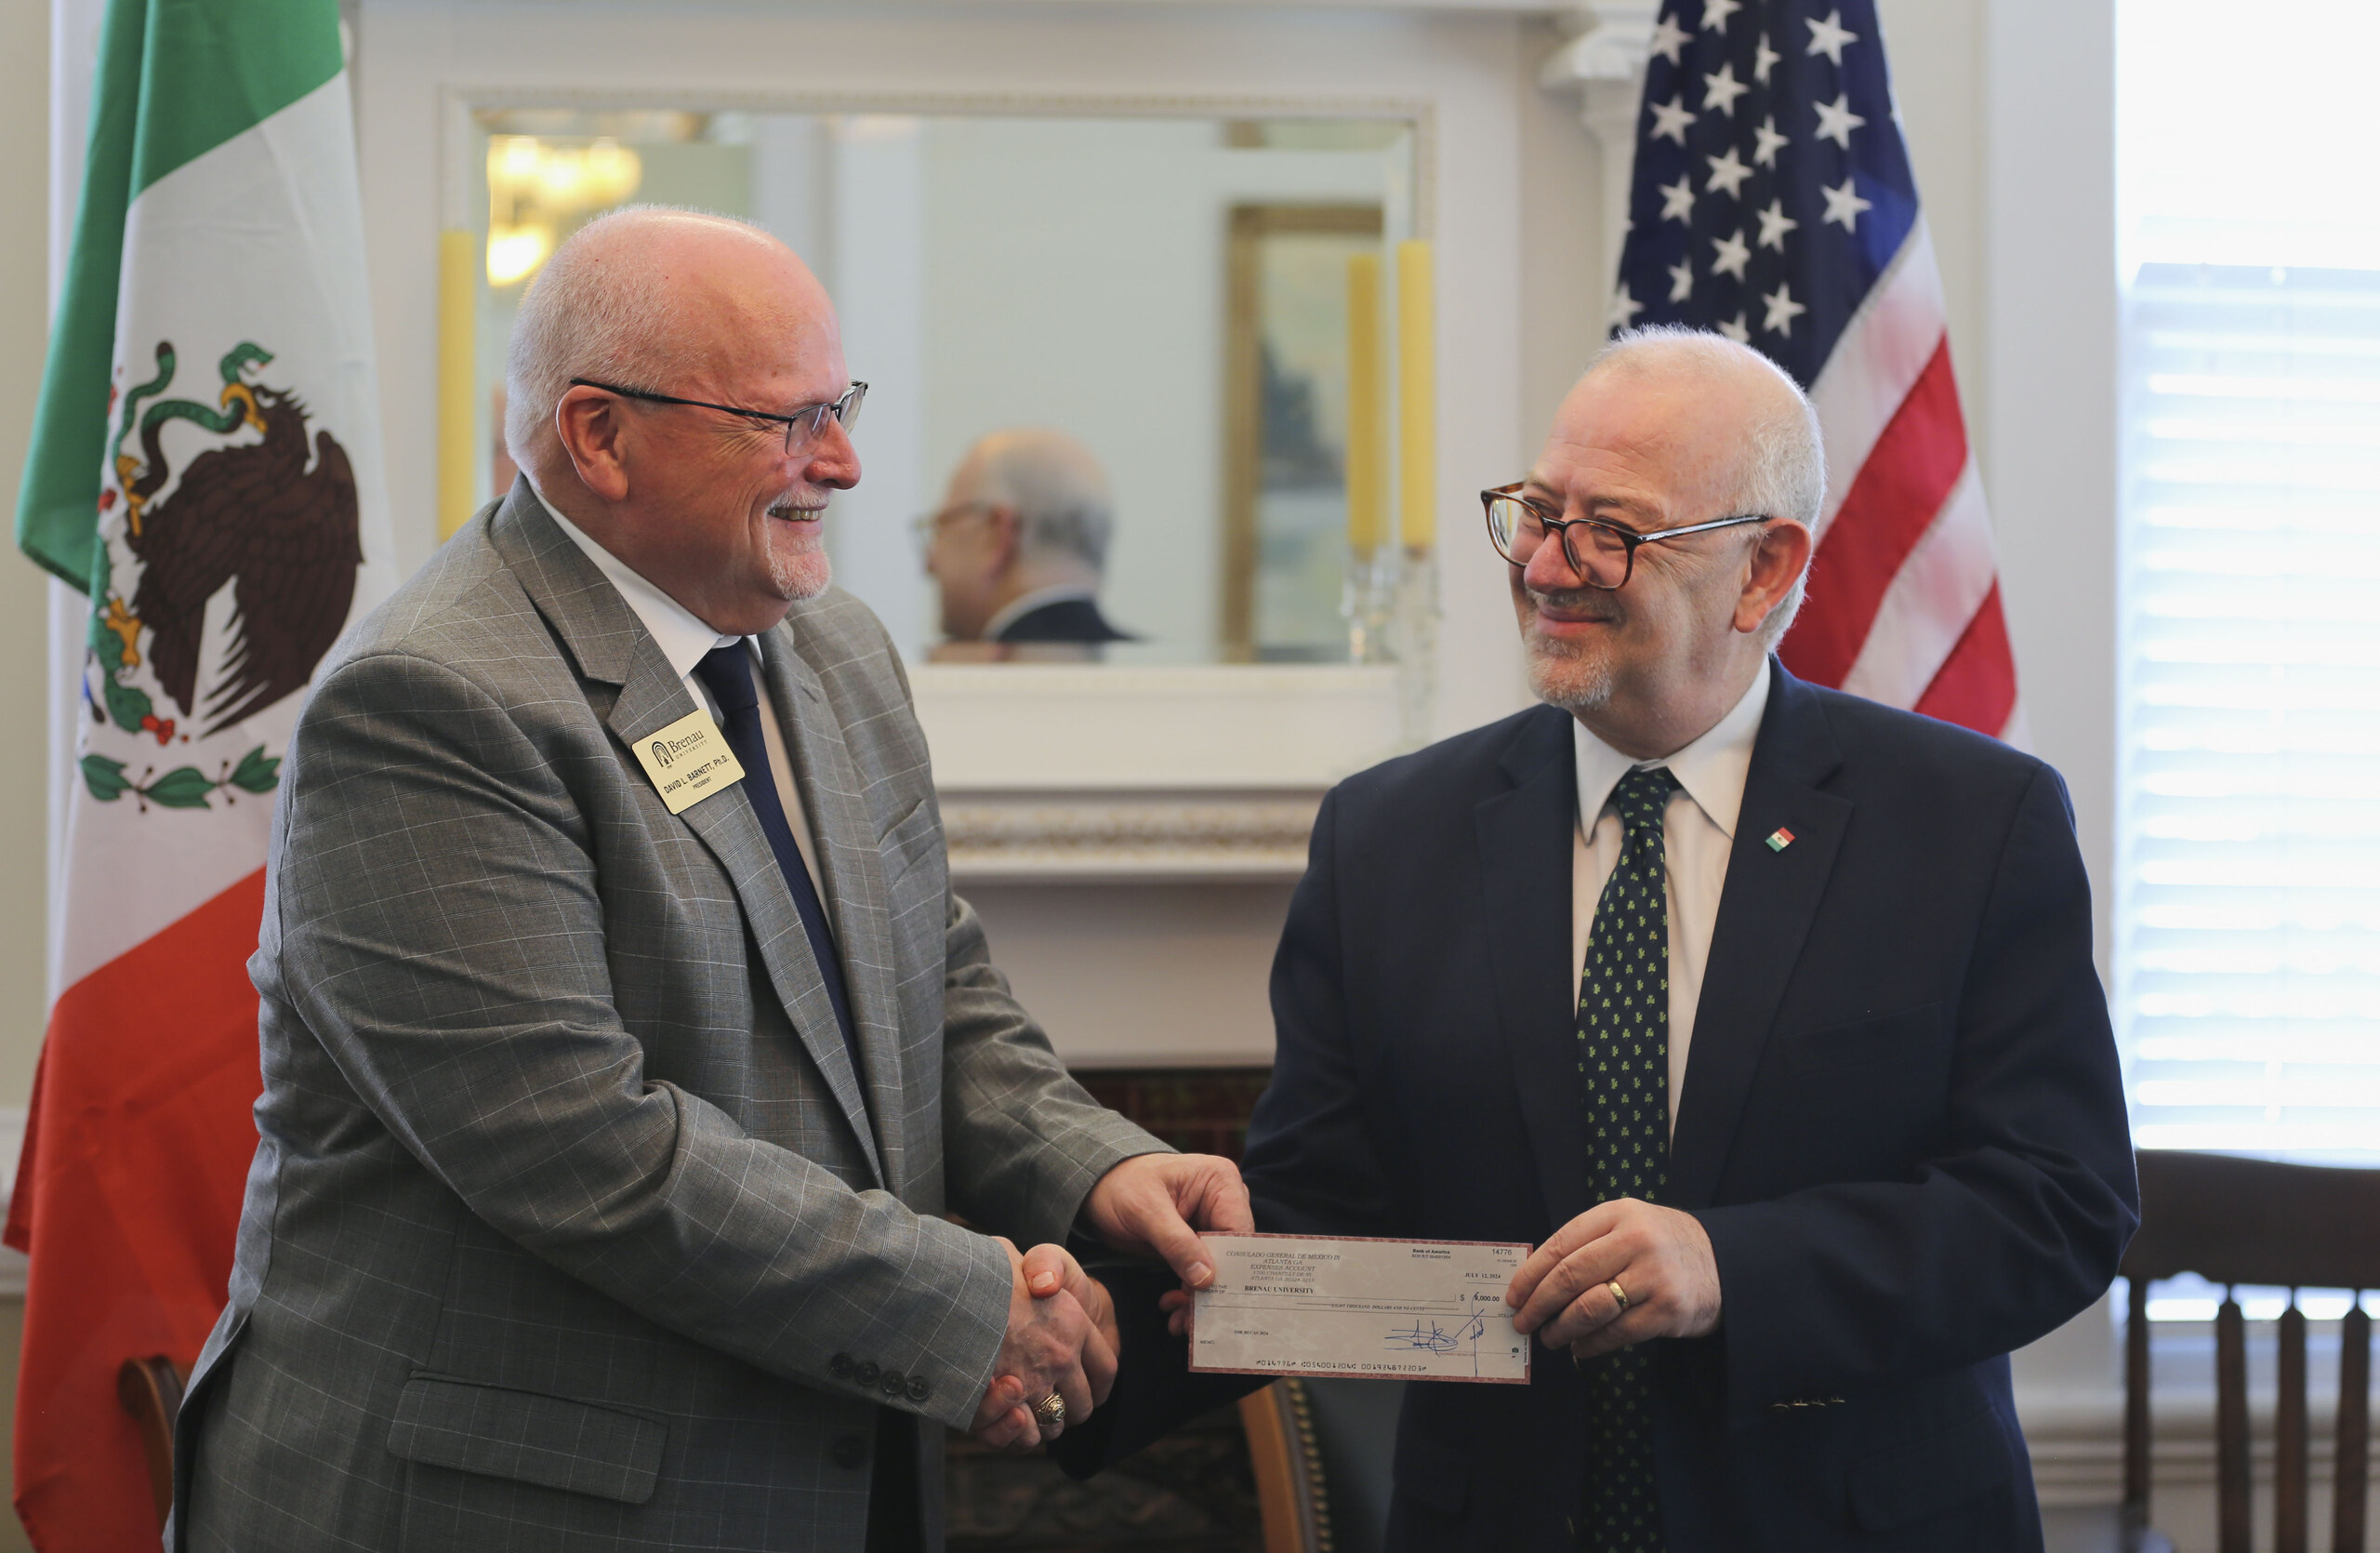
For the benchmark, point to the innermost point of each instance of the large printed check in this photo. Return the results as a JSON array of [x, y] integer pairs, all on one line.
[[1396, 1309]]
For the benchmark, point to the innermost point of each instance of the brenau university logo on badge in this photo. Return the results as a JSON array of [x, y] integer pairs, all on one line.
[[688, 761]]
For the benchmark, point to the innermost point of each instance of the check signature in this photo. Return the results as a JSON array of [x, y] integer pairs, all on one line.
[[1430, 1337]]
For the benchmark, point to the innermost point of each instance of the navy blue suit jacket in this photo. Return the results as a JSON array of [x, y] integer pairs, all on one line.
[[1901, 1124]]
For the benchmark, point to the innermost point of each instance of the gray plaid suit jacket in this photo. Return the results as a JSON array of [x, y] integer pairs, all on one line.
[[570, 1223]]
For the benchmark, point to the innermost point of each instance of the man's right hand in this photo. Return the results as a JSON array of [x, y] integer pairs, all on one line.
[[1056, 1342]]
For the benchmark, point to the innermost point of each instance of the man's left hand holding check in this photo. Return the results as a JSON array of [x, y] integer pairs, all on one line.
[[1151, 1203], [1661, 1260]]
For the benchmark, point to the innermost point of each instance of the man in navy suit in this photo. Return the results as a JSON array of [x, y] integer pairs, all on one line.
[[1767, 1013]]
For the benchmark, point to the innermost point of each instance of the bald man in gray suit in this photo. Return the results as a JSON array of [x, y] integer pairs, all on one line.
[[609, 1119]]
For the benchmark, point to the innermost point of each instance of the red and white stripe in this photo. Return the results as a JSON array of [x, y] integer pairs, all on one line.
[[1904, 592]]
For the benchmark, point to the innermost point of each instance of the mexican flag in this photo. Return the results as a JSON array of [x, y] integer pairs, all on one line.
[[206, 467]]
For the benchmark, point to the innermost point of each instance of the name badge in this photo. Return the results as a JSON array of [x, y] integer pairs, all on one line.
[[688, 761]]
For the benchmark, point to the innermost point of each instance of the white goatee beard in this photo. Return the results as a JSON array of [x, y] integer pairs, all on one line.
[[801, 577], [1561, 675], [800, 572], [1561, 678]]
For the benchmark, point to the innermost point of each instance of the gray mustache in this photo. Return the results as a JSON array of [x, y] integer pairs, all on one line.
[[1572, 599]]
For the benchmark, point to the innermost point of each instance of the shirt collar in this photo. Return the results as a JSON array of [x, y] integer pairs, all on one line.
[[1713, 769], [1025, 604], [681, 635]]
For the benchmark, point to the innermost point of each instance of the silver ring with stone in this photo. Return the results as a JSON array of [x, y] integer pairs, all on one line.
[[1052, 1411]]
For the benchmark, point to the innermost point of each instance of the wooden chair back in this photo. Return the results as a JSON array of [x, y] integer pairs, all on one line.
[[151, 1389], [2240, 1221], [1291, 1494]]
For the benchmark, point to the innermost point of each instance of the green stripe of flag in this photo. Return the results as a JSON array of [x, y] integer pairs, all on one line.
[[216, 67], [176, 78]]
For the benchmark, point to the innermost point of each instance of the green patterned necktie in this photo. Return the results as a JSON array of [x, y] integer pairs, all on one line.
[[1624, 1065]]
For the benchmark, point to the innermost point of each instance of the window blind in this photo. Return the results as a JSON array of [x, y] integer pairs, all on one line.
[[2248, 910], [2247, 985]]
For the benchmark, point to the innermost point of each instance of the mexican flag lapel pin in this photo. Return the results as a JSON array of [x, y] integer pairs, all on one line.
[[1779, 838]]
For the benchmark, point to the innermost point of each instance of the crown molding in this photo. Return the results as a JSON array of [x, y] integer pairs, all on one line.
[[1608, 42]]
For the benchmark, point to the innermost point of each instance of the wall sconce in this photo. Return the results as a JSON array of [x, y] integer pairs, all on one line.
[[537, 189]]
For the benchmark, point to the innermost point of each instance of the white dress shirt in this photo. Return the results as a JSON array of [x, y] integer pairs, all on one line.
[[1697, 831], [684, 640]]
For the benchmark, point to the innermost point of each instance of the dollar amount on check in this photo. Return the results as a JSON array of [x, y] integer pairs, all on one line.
[[1394, 1310]]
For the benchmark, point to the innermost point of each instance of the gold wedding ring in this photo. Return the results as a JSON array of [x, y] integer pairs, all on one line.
[[1052, 1411], [1618, 1294]]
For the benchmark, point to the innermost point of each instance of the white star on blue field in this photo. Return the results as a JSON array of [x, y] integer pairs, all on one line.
[[1771, 186]]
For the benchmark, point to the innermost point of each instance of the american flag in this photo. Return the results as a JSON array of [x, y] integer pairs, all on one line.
[[1773, 201]]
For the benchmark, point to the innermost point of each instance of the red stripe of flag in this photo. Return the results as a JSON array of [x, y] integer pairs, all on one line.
[[1893, 500], [128, 1200], [1975, 688]]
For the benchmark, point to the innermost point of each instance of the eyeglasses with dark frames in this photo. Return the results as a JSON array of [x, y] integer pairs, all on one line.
[[803, 427], [926, 528], [1603, 554]]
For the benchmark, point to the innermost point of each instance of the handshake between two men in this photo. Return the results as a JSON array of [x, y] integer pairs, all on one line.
[[1058, 1360], [1063, 1345]]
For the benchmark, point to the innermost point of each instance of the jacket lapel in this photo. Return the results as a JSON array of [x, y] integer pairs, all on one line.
[[851, 879], [610, 645], [1525, 847], [595, 624], [1765, 913]]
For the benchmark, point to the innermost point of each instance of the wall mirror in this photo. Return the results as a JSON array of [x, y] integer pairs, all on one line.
[[1171, 292], [1178, 756]]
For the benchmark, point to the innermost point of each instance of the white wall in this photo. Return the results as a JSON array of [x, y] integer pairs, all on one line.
[[25, 38], [24, 589], [1105, 967]]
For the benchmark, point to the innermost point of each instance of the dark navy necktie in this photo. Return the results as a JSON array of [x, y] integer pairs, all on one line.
[[1624, 1063], [726, 673]]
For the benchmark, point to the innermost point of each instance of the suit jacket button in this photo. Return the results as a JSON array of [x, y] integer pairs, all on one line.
[[894, 1383], [919, 1388], [850, 1451], [865, 1375], [840, 1366]]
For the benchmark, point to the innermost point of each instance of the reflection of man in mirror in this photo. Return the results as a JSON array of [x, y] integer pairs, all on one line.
[[1019, 547]]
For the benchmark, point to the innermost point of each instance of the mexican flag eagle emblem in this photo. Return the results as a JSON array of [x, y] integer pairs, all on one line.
[[266, 511]]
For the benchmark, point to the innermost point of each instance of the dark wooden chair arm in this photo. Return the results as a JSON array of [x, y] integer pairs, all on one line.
[[151, 1389]]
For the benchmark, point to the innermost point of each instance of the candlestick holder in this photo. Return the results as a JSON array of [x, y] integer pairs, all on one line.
[[1416, 643], [1368, 602]]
